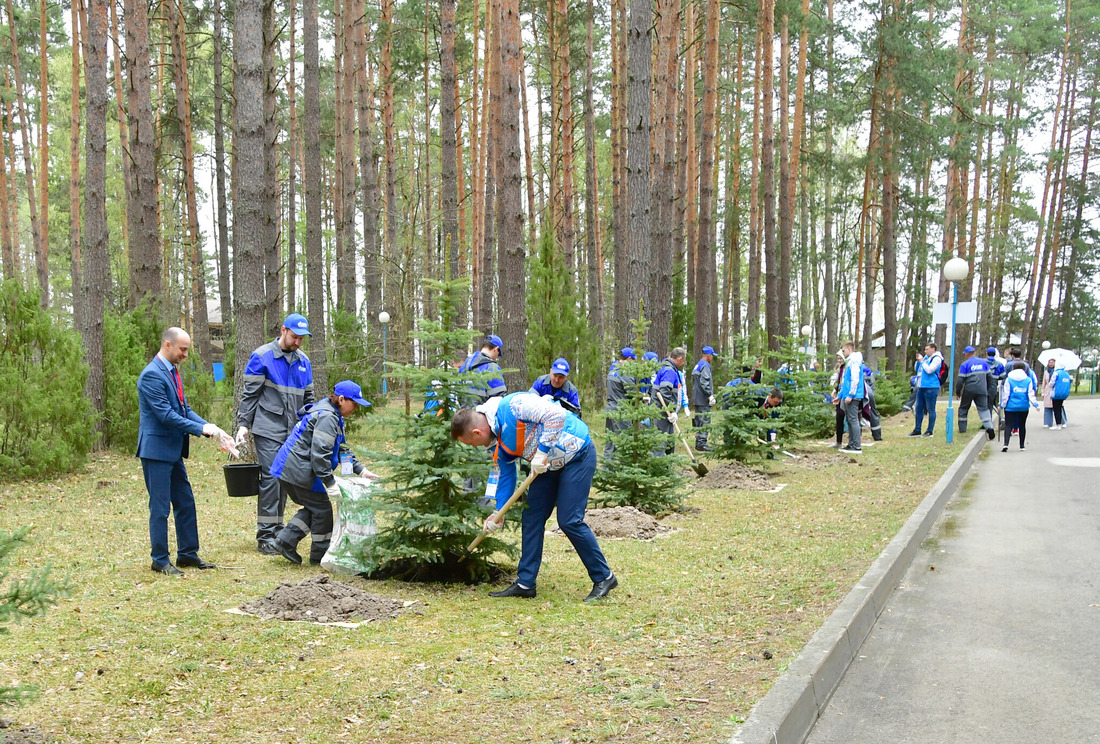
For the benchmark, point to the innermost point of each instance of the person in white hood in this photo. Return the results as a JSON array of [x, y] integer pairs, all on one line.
[[1017, 393]]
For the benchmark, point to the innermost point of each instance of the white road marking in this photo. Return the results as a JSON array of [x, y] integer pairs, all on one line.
[[1075, 462]]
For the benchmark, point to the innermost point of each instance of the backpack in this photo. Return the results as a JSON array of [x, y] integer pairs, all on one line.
[[1062, 382], [943, 371]]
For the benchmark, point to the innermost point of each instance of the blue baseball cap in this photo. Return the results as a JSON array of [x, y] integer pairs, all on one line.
[[708, 349], [560, 366], [628, 353], [297, 324], [351, 391], [968, 350], [650, 355], [493, 340], [991, 351]]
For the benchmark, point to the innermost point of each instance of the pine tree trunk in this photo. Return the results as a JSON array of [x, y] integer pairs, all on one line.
[[786, 182], [146, 257], [754, 192], [618, 167], [889, 220], [491, 154], [734, 328], [368, 170], [346, 277], [389, 245], [767, 159], [690, 194], [639, 114], [659, 286], [273, 258], [123, 135], [43, 126], [225, 295], [1066, 311], [706, 291], [76, 269], [511, 256], [194, 246], [448, 136], [312, 183], [591, 203], [41, 264], [96, 278]]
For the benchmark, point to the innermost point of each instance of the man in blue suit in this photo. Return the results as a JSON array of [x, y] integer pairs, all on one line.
[[166, 424]]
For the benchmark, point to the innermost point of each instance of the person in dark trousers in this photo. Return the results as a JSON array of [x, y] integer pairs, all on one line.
[[702, 397], [484, 360], [666, 383], [851, 396], [617, 383], [997, 373], [838, 379], [870, 408], [277, 382], [1059, 391], [928, 388], [972, 386], [166, 424], [563, 458], [556, 384], [1017, 393], [306, 466]]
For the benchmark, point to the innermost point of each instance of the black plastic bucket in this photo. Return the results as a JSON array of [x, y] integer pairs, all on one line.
[[242, 478]]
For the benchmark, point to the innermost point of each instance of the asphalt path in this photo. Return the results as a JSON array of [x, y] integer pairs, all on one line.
[[993, 635]]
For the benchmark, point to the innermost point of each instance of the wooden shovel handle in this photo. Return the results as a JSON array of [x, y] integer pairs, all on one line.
[[676, 428], [502, 511]]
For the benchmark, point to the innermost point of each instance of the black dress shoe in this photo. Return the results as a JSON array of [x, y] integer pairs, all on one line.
[[602, 588], [198, 563], [515, 590], [167, 569], [287, 551]]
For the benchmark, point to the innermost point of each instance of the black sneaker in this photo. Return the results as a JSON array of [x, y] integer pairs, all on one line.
[[927, 434], [1005, 448], [850, 450], [991, 434], [1023, 448], [913, 434]]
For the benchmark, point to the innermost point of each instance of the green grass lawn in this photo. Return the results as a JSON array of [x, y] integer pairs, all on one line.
[[702, 624]]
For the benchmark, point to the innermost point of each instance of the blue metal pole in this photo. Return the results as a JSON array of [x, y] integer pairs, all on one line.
[[951, 369], [383, 359]]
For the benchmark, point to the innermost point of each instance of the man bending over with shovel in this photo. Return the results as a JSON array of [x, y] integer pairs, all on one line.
[[563, 460]]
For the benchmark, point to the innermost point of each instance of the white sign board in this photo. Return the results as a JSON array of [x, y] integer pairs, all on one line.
[[967, 312]]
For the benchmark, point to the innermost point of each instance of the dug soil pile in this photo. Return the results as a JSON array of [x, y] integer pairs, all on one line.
[[623, 522], [322, 599], [733, 476], [14, 734], [815, 460]]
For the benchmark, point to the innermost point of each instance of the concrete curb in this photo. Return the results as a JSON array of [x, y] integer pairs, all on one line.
[[791, 708]]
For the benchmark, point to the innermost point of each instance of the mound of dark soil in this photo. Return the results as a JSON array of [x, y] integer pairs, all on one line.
[[322, 599], [15, 734], [733, 476], [815, 459], [623, 522]]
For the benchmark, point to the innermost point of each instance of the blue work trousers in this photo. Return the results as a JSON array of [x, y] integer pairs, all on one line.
[[567, 489], [926, 401], [169, 490]]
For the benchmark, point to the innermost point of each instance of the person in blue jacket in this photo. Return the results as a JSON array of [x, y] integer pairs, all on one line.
[[1060, 390], [277, 382], [166, 424], [702, 397], [928, 388], [563, 458], [617, 383], [1017, 394], [870, 407], [972, 386], [851, 392], [556, 384], [306, 466], [667, 387], [997, 373], [484, 360]]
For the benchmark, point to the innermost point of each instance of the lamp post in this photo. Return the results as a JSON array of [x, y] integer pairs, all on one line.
[[806, 346], [384, 319], [954, 271]]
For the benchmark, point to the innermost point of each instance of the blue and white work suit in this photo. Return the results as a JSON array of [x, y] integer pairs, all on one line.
[[928, 389], [972, 385], [851, 393], [1017, 395], [523, 424]]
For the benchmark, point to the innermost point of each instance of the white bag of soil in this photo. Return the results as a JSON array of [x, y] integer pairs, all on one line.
[[352, 524]]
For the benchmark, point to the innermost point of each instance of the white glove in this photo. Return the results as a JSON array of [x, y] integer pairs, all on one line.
[[491, 525], [539, 463], [687, 413], [367, 475], [241, 434], [210, 430], [334, 492], [673, 418], [712, 401], [646, 399]]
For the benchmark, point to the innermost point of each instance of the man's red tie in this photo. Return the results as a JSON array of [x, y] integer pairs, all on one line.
[[179, 383]]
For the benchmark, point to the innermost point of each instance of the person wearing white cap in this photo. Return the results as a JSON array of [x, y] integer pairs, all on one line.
[[558, 387], [702, 397], [277, 382], [306, 466]]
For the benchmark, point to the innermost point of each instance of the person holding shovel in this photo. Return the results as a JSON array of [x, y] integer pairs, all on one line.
[[666, 390], [306, 466], [563, 461]]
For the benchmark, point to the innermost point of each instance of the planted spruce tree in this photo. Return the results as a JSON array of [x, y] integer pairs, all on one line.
[[638, 472], [425, 521]]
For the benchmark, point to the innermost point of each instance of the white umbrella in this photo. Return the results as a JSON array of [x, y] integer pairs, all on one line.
[[1062, 357]]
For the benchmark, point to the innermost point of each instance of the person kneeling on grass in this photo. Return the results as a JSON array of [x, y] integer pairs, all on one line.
[[306, 467], [563, 457]]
